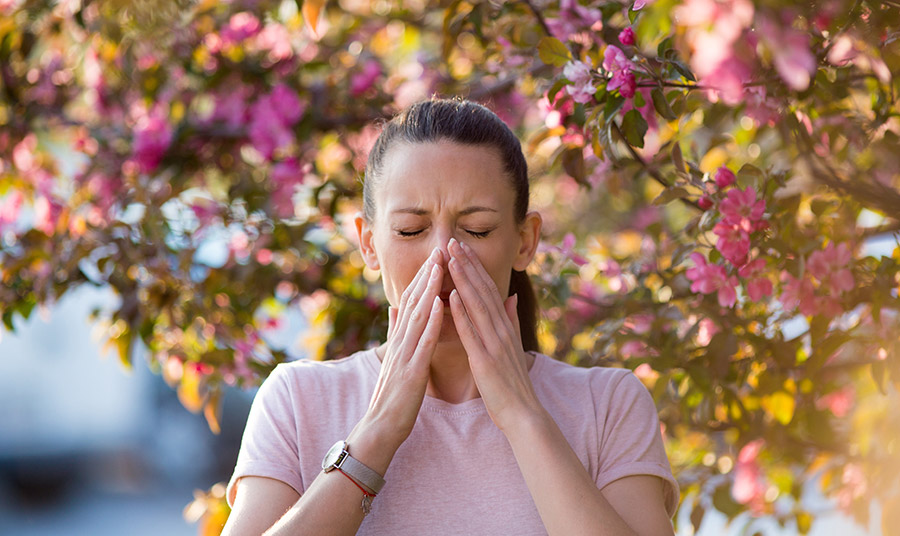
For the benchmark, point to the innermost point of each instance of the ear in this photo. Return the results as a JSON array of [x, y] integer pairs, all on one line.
[[529, 237], [366, 242]]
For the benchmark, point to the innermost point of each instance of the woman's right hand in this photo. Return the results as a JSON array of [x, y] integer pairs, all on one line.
[[413, 330]]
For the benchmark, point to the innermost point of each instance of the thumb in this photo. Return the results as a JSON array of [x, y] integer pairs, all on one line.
[[392, 321]]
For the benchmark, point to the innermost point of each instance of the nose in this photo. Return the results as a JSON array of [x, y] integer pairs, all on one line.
[[443, 237]]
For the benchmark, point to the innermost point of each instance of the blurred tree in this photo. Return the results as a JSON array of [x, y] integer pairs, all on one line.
[[715, 176]]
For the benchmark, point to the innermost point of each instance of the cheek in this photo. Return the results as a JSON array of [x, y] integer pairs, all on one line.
[[399, 266]]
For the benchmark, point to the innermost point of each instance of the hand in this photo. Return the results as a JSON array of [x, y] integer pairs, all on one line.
[[413, 330], [489, 329]]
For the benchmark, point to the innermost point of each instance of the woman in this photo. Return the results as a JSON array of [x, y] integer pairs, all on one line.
[[472, 429]]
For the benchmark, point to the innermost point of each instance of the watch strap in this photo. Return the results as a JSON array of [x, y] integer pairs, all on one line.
[[361, 473]]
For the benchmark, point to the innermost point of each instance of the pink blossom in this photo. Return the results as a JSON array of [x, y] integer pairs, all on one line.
[[829, 266], [24, 153], [272, 117], [705, 203], [624, 81], [635, 348], [286, 176], [639, 324], [240, 26], [790, 50], [758, 285], [724, 177], [10, 208], [749, 485], [706, 331], [840, 402], [708, 278], [239, 245], [626, 36], [152, 137], [719, 59], [582, 89], [639, 4], [274, 39], [742, 209], [614, 59], [573, 19], [46, 214], [854, 485], [733, 243], [799, 292], [361, 82], [232, 106]]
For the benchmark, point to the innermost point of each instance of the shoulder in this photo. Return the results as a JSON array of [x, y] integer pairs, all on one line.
[[357, 368], [556, 374]]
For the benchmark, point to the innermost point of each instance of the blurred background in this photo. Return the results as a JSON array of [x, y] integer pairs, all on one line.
[[719, 182]]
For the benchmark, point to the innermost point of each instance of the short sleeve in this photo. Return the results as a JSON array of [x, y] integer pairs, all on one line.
[[631, 441], [269, 445]]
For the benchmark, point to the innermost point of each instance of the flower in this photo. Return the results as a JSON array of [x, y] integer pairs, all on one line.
[[708, 278], [361, 82], [741, 208], [626, 36], [152, 137], [705, 203], [758, 285], [840, 402], [624, 81], [639, 4], [9, 209], [749, 486], [793, 59], [579, 73], [241, 26], [829, 266], [733, 243], [286, 176], [799, 293], [272, 117], [724, 177]]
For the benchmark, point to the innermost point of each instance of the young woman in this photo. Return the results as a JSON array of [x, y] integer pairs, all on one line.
[[456, 422]]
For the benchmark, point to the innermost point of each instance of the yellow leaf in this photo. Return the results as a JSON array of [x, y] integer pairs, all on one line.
[[189, 390], [311, 10], [212, 410], [779, 405]]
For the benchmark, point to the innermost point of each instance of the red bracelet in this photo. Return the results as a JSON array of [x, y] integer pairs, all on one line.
[[355, 483]]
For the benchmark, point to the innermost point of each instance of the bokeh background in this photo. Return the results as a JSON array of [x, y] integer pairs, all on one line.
[[719, 181]]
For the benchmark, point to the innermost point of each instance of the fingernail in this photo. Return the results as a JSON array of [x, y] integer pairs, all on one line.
[[516, 299]]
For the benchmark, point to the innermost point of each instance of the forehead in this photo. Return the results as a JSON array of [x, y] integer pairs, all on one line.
[[443, 175]]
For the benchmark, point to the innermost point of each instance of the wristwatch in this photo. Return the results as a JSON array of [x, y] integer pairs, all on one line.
[[339, 458]]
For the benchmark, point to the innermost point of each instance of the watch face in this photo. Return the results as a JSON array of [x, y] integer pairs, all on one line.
[[333, 456]]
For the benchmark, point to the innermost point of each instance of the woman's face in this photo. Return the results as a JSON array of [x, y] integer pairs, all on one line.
[[429, 193]]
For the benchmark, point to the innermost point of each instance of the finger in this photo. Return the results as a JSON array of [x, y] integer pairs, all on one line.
[[418, 316], [512, 311], [413, 293], [467, 334], [482, 304], [427, 342], [423, 270]]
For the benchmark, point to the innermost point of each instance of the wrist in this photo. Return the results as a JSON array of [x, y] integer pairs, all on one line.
[[369, 444]]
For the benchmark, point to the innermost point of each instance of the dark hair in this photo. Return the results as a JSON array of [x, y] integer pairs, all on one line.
[[468, 123]]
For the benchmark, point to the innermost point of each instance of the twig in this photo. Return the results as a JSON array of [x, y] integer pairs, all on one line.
[[538, 16], [651, 170]]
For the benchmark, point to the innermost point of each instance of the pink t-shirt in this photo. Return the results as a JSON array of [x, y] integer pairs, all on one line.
[[456, 473]]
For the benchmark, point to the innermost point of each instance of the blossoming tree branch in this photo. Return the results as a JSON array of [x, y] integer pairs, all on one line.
[[719, 179]]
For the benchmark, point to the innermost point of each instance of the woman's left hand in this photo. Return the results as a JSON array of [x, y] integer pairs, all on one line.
[[488, 327]]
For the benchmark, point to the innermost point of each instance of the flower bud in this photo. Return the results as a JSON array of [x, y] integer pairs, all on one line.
[[724, 177]]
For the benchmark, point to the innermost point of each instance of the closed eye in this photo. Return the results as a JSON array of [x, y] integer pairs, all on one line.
[[476, 234]]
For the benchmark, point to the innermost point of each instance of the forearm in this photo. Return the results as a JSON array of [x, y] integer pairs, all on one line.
[[332, 504], [566, 497]]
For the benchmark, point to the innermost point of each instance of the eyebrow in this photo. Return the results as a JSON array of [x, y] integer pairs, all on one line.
[[422, 212]]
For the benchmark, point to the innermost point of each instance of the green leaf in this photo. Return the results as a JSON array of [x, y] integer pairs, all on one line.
[[555, 88], [613, 105], [678, 159], [683, 70], [553, 52], [662, 105], [634, 127]]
